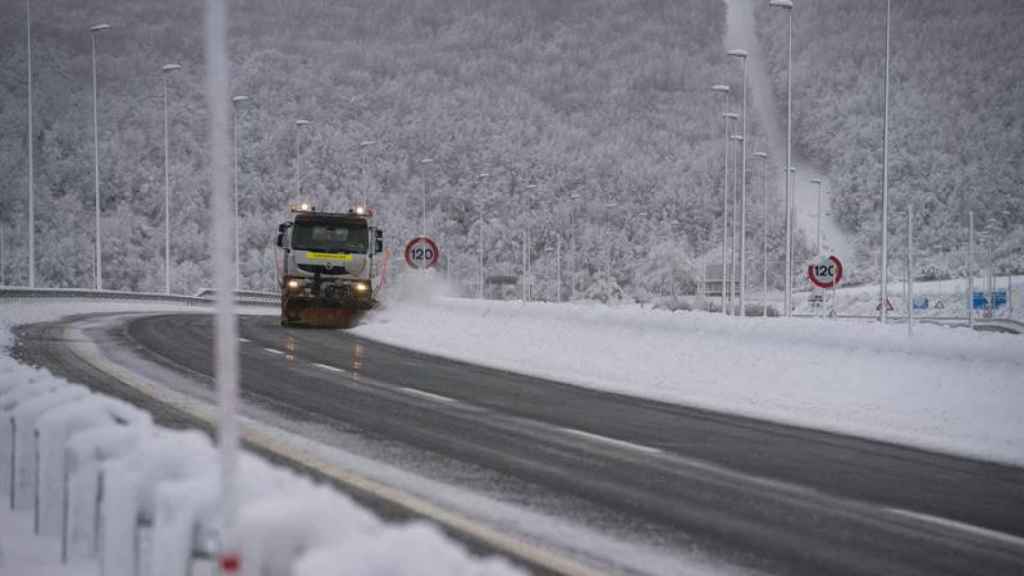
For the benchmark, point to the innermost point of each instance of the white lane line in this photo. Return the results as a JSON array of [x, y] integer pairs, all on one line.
[[988, 533], [245, 340], [612, 441], [327, 367], [429, 395], [272, 351]]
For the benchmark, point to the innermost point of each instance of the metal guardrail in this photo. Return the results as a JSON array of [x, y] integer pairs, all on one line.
[[204, 297]]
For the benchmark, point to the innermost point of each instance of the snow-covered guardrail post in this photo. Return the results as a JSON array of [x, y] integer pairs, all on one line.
[[129, 486], [84, 454], [53, 430], [23, 414]]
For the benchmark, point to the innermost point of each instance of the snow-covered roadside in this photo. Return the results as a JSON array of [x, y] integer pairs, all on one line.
[[946, 389], [288, 525]]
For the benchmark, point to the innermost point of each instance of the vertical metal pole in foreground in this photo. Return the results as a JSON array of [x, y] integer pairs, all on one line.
[[3, 276], [481, 251], [884, 279], [226, 345], [31, 140], [970, 269], [522, 281], [789, 159], [910, 270]]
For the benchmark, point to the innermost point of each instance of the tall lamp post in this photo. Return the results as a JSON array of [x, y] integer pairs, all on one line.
[[736, 232], [787, 5], [743, 56], [299, 124], [480, 233], [426, 184], [31, 141], [724, 90], [366, 188], [884, 281], [727, 116], [167, 68], [572, 245], [235, 102], [764, 231], [818, 219], [96, 155]]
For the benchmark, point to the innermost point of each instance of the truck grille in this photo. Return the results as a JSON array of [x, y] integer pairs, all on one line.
[[325, 270]]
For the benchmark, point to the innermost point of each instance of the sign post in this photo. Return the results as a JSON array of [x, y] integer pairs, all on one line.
[[421, 253]]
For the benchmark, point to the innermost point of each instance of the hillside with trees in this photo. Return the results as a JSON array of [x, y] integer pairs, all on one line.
[[956, 120], [600, 99]]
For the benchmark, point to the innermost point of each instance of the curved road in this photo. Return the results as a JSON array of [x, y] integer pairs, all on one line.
[[763, 496]]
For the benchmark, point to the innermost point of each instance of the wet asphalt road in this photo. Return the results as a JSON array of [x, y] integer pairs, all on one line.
[[765, 496]]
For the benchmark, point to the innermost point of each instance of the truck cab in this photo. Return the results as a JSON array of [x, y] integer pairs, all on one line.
[[330, 265]]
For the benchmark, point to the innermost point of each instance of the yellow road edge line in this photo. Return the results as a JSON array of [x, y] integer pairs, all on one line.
[[512, 546]]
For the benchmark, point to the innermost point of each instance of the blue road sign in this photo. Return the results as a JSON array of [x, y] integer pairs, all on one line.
[[999, 298], [979, 301], [920, 303]]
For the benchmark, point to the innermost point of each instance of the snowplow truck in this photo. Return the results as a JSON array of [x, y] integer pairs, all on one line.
[[331, 266]]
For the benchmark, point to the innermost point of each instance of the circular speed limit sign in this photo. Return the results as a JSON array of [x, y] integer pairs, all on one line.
[[826, 272], [421, 253]]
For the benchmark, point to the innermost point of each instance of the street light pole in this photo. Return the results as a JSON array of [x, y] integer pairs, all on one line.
[[96, 155], [818, 182], [884, 280], [167, 185], [426, 184], [787, 5], [734, 247], [724, 90], [366, 188], [480, 236], [298, 156], [742, 55], [31, 169], [235, 101], [727, 116], [764, 231], [572, 246]]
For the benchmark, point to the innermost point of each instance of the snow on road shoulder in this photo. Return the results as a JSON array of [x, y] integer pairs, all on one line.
[[946, 389]]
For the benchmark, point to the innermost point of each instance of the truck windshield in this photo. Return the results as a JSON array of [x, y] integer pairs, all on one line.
[[330, 237]]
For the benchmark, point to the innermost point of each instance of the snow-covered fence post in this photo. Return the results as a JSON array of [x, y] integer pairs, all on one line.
[[52, 431], [24, 445], [129, 486], [84, 453]]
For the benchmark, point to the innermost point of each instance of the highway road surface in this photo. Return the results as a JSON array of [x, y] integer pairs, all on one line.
[[763, 497]]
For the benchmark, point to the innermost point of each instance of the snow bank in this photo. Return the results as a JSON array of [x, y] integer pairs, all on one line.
[[946, 389], [105, 462]]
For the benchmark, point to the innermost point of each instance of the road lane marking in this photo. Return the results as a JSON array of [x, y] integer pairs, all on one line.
[[272, 351], [327, 367], [245, 340], [429, 395], [612, 441], [988, 533]]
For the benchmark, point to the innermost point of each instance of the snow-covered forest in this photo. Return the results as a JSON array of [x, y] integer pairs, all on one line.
[[956, 120], [592, 119]]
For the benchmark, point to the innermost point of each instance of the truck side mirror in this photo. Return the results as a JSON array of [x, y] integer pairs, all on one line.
[[280, 240], [379, 247], [281, 229]]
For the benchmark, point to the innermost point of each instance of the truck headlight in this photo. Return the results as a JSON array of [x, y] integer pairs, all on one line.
[[294, 284], [361, 287]]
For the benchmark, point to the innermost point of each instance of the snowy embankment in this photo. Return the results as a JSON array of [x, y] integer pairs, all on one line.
[[95, 468], [945, 389]]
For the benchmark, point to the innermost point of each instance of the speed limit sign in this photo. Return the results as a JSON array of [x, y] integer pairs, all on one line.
[[421, 253], [826, 272]]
